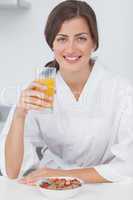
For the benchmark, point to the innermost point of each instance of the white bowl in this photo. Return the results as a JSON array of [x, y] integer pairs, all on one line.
[[60, 194]]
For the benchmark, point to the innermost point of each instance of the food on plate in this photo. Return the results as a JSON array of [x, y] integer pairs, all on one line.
[[60, 183]]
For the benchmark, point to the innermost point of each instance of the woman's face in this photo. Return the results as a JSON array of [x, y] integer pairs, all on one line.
[[73, 45]]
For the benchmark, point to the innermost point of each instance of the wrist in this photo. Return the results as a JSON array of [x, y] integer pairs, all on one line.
[[20, 112]]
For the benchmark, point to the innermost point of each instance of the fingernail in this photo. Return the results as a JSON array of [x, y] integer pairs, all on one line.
[[50, 98], [44, 87], [22, 181]]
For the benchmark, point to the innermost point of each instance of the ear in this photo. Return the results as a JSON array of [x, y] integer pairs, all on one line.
[[94, 47], [92, 50]]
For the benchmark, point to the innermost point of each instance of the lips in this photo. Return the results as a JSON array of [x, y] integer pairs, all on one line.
[[71, 59]]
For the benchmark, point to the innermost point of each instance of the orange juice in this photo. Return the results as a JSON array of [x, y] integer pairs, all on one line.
[[50, 83]]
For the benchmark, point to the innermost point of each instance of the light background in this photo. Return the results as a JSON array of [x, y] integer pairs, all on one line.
[[23, 48]]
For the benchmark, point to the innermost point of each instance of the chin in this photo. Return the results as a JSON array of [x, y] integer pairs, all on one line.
[[72, 67]]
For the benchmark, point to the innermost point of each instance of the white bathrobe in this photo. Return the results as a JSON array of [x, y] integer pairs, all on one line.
[[95, 131]]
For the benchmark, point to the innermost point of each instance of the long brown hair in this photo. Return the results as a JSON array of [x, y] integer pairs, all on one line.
[[67, 10]]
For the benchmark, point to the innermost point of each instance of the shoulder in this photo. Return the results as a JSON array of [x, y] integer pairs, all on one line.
[[115, 81], [114, 89]]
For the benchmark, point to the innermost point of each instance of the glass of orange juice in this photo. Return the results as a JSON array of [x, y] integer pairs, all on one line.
[[46, 77]]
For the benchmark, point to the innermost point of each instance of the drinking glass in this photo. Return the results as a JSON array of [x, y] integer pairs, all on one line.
[[46, 76]]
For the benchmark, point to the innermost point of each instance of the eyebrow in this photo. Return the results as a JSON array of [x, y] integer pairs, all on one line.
[[78, 34]]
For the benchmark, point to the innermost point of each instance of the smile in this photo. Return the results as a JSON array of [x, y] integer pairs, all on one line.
[[72, 58]]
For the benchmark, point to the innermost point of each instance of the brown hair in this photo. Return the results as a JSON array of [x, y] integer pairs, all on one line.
[[67, 10]]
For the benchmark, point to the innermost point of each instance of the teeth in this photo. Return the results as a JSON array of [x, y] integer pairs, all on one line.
[[71, 58]]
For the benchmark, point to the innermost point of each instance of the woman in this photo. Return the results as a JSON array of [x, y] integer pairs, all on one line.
[[90, 132]]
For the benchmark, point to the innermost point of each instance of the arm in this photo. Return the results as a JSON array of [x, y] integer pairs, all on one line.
[[88, 175], [14, 139], [14, 146]]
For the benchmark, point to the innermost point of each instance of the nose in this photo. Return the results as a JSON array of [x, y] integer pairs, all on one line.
[[71, 46]]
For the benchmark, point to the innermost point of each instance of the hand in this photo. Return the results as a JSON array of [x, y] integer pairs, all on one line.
[[34, 98], [36, 175], [88, 175]]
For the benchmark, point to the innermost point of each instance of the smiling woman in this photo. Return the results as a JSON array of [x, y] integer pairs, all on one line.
[[72, 49], [89, 133]]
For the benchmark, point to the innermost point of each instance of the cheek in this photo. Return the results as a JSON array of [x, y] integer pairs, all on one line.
[[88, 49], [58, 52]]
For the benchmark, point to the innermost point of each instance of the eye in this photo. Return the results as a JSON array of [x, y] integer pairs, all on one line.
[[82, 39], [61, 39]]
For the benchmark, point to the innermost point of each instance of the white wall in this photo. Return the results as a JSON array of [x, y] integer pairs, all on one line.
[[116, 28], [22, 45]]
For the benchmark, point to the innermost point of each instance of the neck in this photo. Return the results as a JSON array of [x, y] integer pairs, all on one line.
[[76, 80]]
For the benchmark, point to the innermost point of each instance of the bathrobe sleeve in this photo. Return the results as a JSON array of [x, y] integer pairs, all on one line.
[[120, 168], [32, 139]]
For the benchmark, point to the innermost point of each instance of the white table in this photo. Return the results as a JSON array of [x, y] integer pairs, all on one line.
[[11, 190]]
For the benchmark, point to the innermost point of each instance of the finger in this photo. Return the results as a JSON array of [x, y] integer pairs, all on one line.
[[29, 106], [35, 172], [35, 85], [30, 180], [35, 175], [36, 101], [26, 181], [33, 93], [37, 94]]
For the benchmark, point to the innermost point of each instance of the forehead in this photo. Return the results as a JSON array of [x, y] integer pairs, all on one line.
[[75, 25]]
